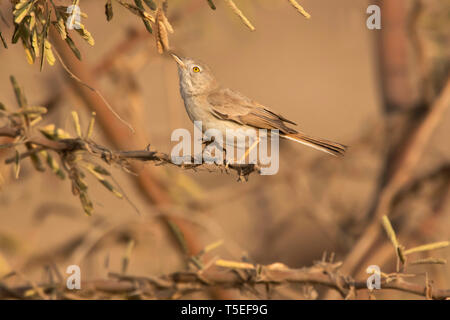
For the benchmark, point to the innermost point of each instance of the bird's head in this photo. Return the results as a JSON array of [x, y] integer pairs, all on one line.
[[195, 77]]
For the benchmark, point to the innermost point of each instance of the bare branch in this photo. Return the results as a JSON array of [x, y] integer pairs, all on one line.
[[180, 283]]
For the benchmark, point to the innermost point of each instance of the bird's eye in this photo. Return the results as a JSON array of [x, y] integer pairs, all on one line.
[[196, 69]]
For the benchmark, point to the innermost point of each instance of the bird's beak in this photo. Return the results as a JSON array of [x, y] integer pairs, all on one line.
[[178, 60]]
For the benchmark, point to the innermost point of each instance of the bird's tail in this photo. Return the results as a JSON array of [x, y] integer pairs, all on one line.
[[330, 147]]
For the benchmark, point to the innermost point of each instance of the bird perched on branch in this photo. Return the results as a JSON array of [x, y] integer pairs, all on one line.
[[221, 108]]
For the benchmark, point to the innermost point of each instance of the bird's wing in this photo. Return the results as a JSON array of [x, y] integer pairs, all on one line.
[[230, 105]]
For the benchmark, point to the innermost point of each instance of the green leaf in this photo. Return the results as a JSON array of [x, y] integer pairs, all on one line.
[[127, 255], [22, 9], [37, 163], [146, 23], [90, 129], [61, 27], [76, 122], [109, 10], [88, 207], [17, 165], [53, 133], [29, 54], [102, 170], [20, 97], [73, 47], [33, 110], [81, 185], [16, 33], [211, 4], [35, 43], [85, 34], [53, 164], [45, 45], [93, 170], [48, 52], [151, 4], [428, 247], [3, 40], [179, 236]]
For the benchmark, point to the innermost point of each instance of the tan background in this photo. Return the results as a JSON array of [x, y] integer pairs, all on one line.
[[320, 73]]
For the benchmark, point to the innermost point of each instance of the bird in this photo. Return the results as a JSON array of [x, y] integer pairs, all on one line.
[[221, 108]]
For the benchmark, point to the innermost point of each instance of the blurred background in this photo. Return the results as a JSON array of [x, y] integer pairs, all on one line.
[[374, 90]]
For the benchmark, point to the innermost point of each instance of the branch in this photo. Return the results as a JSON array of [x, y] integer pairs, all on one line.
[[231, 275], [64, 146]]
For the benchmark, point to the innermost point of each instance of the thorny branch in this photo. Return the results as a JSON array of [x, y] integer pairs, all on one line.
[[65, 146], [231, 274]]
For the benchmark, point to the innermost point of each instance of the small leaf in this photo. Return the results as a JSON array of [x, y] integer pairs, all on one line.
[[111, 188], [32, 23], [428, 247], [29, 56], [48, 52], [20, 97], [16, 33], [127, 255], [53, 133], [17, 165], [109, 10], [90, 129], [161, 36], [37, 163], [88, 207], [21, 10], [61, 27], [102, 170], [102, 180], [300, 9], [53, 164], [390, 231], [211, 4], [35, 43], [35, 121], [76, 122], [179, 236], [85, 34], [429, 261], [146, 23], [210, 247], [213, 246], [234, 264], [81, 185], [3, 40], [151, 4], [33, 110], [135, 10], [73, 47]]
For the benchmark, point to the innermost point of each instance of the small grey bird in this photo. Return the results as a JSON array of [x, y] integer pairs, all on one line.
[[222, 108]]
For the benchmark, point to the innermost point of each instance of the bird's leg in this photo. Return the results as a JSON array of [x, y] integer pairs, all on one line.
[[225, 157], [249, 149], [205, 144], [227, 162]]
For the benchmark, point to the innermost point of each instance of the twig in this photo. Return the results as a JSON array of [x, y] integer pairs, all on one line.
[[300, 9], [73, 76], [109, 156], [236, 10], [179, 283]]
